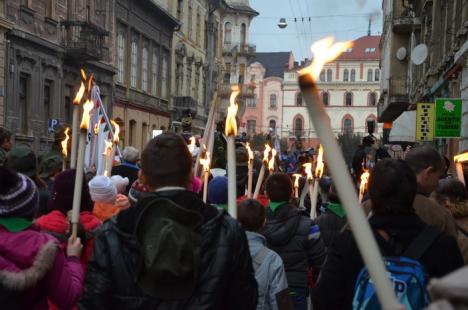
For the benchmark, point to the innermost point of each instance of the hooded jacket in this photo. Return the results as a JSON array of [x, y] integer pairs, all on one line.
[[297, 241], [331, 222], [32, 264], [226, 279], [335, 287]]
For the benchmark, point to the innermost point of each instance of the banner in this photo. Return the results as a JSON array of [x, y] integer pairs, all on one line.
[[448, 118], [425, 122]]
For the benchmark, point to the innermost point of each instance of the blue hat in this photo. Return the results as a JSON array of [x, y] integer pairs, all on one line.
[[218, 190]]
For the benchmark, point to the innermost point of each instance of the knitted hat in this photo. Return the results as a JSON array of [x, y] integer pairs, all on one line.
[[61, 197], [102, 189], [50, 165], [196, 185], [19, 196], [119, 183], [23, 160], [218, 190]]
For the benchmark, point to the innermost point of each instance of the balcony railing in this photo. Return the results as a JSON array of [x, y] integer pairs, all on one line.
[[186, 103], [246, 91], [229, 48], [404, 18], [83, 39], [395, 101]]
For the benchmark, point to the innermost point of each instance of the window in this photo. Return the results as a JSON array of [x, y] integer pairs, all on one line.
[[50, 9], [251, 126], [346, 75], [197, 82], [241, 73], [329, 75], [347, 124], [154, 74], [370, 50], [134, 64], [272, 101], [243, 38], [47, 102], [377, 74], [348, 99], [298, 127], [272, 124], [24, 102], [189, 23], [325, 98], [198, 29], [144, 69], [26, 3], [353, 75], [349, 50], [120, 57], [322, 76], [369, 75], [68, 103], [299, 99], [180, 9], [189, 80], [227, 74], [144, 134], [132, 133], [227, 33], [164, 76], [252, 102], [372, 99]]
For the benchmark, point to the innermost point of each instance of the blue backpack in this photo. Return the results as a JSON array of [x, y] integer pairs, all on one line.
[[406, 273]]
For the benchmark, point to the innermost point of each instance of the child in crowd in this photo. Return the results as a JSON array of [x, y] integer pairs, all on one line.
[[218, 192], [107, 200]]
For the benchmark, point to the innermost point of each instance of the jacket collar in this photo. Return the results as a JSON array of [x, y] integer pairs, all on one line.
[[255, 237]]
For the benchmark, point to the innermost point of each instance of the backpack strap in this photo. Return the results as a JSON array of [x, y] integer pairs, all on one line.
[[260, 256], [464, 232], [421, 243]]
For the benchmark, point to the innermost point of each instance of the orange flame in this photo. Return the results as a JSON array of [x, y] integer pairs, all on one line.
[[107, 147], [96, 128], [116, 138], [266, 153], [83, 74], [249, 151], [191, 146], [231, 123], [90, 82], [324, 50], [64, 143], [271, 163], [87, 107], [364, 181], [205, 162], [79, 94], [308, 171], [460, 158], [296, 176], [319, 167]]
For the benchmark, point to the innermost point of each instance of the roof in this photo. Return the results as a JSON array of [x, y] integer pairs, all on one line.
[[275, 63], [241, 6], [364, 48]]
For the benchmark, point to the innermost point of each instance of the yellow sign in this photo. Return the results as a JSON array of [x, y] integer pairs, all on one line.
[[425, 121]]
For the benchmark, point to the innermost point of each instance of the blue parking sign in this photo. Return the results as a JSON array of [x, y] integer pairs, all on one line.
[[53, 123]]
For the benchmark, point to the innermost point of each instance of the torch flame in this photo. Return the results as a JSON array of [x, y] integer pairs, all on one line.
[[107, 147], [191, 146], [364, 181], [460, 158], [96, 129], [319, 167], [205, 162], [90, 82], [296, 176], [65, 143], [83, 74], [249, 151], [79, 94], [308, 171], [266, 153], [231, 124], [116, 138], [324, 50], [87, 107], [271, 163]]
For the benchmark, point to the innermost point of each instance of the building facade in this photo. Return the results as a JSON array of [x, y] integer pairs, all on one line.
[[440, 29], [46, 44], [143, 41]]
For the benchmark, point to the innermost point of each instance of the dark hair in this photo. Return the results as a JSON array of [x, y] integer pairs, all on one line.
[[453, 189], [8, 179], [4, 135], [166, 161], [251, 214], [279, 187], [368, 141], [392, 187], [423, 157]]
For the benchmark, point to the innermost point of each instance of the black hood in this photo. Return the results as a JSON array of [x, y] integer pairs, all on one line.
[[281, 225]]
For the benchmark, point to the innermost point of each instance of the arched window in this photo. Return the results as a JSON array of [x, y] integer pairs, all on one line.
[[120, 57], [353, 75], [377, 74], [348, 99], [347, 124], [272, 124], [329, 75], [273, 101], [326, 98], [298, 126], [144, 69], [243, 34], [134, 64], [299, 99], [372, 99], [132, 133], [369, 75], [227, 33], [322, 76], [345, 75]]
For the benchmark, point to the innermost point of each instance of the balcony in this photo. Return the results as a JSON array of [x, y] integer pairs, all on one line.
[[247, 50], [246, 91], [83, 40], [394, 101], [229, 49], [185, 105], [404, 19]]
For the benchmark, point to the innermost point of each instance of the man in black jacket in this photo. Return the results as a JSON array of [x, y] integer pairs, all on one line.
[[171, 251], [294, 237]]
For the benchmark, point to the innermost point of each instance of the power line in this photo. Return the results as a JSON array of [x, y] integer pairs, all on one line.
[[313, 16]]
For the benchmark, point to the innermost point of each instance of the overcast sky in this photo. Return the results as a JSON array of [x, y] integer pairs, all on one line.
[[344, 19]]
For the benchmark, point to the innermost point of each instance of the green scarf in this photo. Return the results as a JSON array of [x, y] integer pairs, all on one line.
[[337, 209], [15, 224], [276, 204], [222, 206]]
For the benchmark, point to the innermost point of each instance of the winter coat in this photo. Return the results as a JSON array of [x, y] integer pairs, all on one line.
[[33, 264], [226, 279], [335, 288], [296, 239], [459, 210], [330, 224], [270, 274], [435, 215], [58, 225]]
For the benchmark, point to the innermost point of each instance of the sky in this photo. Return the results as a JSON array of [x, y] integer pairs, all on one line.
[[344, 19]]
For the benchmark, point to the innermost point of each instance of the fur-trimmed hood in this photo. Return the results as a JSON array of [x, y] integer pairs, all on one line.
[[458, 209], [25, 258]]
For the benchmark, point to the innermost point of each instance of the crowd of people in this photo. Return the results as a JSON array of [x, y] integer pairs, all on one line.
[[147, 240]]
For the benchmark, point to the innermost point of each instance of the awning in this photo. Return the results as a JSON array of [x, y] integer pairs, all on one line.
[[404, 128]]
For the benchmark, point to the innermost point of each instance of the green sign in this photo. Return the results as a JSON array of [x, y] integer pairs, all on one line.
[[448, 118]]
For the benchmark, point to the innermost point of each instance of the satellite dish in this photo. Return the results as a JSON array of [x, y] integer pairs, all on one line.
[[401, 53], [419, 54], [282, 23]]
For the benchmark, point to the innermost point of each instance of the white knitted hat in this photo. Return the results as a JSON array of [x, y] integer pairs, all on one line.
[[102, 189], [119, 183]]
